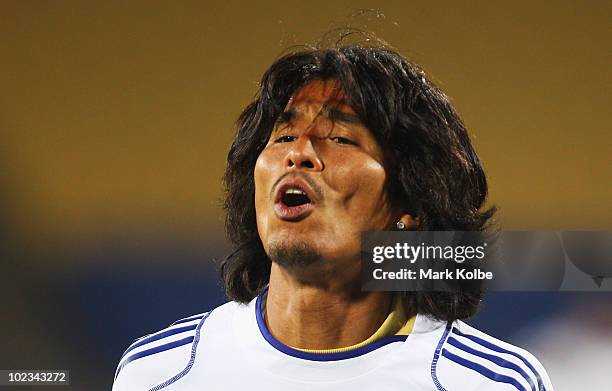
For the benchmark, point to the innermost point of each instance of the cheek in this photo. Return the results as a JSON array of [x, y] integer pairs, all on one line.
[[363, 193], [263, 173], [261, 167], [262, 176], [363, 179]]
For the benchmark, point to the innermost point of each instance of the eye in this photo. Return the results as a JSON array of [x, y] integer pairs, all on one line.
[[343, 140], [285, 139]]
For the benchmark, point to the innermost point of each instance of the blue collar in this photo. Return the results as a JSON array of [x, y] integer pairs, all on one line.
[[263, 328]]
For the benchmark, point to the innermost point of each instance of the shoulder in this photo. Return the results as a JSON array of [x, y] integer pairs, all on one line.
[[478, 361], [166, 354]]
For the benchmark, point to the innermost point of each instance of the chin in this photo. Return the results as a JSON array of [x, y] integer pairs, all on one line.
[[291, 231], [294, 253]]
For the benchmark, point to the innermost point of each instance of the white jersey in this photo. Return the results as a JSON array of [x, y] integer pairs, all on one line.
[[230, 348]]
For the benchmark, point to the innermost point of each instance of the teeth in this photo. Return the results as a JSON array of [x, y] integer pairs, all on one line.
[[294, 191]]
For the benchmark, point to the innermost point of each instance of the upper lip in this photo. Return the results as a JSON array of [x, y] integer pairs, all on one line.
[[294, 183]]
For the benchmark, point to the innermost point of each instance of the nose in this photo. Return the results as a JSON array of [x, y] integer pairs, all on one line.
[[302, 155]]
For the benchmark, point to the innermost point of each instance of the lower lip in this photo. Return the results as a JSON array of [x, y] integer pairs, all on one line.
[[293, 213]]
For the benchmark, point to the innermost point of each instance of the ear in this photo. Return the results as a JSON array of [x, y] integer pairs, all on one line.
[[410, 223]]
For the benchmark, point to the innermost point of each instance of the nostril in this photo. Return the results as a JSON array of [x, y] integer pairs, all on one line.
[[307, 164]]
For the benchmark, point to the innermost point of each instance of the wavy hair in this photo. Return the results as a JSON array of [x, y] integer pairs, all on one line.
[[433, 170]]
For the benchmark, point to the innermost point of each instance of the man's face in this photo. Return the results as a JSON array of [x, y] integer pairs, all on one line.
[[319, 182]]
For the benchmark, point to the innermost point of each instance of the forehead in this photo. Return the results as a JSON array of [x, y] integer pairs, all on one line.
[[320, 93]]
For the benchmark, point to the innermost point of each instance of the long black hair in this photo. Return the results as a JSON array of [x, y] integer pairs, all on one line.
[[433, 171]]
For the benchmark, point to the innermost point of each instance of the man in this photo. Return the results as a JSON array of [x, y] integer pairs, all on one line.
[[337, 142]]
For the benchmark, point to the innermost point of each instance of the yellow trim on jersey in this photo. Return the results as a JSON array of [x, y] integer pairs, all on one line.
[[395, 324]]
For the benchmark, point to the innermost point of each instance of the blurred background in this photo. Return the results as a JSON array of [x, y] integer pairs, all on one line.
[[116, 118]]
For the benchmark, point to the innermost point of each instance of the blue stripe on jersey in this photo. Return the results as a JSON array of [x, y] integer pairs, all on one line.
[[319, 356], [194, 348], [157, 349], [494, 359], [158, 336], [498, 377], [499, 349], [436, 357], [190, 319]]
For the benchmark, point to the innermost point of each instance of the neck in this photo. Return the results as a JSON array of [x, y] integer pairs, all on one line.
[[324, 315]]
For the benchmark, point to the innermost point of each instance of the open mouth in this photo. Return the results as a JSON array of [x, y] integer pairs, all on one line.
[[294, 197], [293, 201]]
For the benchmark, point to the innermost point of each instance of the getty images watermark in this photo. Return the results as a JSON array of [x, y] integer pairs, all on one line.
[[510, 261]]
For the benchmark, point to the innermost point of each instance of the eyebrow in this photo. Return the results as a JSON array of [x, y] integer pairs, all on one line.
[[341, 116], [329, 112]]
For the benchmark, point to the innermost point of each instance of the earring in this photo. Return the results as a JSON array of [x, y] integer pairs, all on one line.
[[400, 225]]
